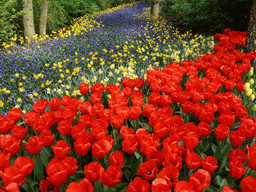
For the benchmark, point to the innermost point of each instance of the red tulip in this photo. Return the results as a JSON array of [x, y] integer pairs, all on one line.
[[148, 170], [24, 164], [98, 88], [240, 86], [200, 179], [4, 160], [101, 148], [123, 111], [40, 106], [69, 114], [54, 104], [19, 132], [191, 140], [85, 108], [49, 119], [76, 187], [13, 174], [61, 149], [236, 168], [210, 164], [47, 137], [137, 101], [187, 107], [251, 156], [184, 186], [206, 116], [82, 146], [159, 184], [96, 98], [97, 110], [84, 88], [155, 87], [85, 120], [221, 132], [197, 108], [170, 174], [138, 185], [193, 161], [57, 173], [15, 114], [148, 109], [10, 145], [248, 184], [78, 131], [230, 84], [228, 189], [92, 171], [12, 187], [155, 156], [130, 145], [240, 111], [30, 118], [161, 130], [203, 129], [111, 177], [71, 164], [48, 185], [107, 114], [64, 127], [116, 159], [236, 138], [139, 83], [154, 98], [227, 118]]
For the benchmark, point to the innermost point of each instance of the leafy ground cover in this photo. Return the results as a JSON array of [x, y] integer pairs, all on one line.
[[121, 101]]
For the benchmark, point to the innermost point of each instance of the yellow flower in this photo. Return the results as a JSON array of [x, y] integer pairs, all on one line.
[[248, 92], [30, 96], [60, 70], [21, 89], [109, 96], [252, 97], [12, 80], [246, 86], [67, 71], [100, 72], [251, 81], [36, 76], [17, 75], [35, 94], [23, 111], [42, 85], [16, 106], [254, 108], [19, 100], [67, 93], [110, 74], [24, 77], [59, 81], [69, 77], [48, 82], [119, 79], [48, 91], [62, 76], [1, 103]]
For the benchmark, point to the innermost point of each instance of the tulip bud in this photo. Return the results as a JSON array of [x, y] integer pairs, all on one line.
[[248, 92], [250, 72], [254, 108], [246, 86], [252, 97], [251, 81]]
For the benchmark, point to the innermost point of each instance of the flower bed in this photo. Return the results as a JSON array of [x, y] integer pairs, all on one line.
[[175, 131]]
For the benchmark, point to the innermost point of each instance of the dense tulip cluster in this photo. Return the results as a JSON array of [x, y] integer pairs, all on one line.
[[209, 99]]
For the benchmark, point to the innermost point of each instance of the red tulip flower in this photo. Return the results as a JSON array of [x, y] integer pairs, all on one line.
[[170, 174], [15, 114], [228, 189], [111, 177], [47, 137], [193, 160], [92, 171], [98, 88], [4, 160], [19, 132], [159, 184], [40, 106], [210, 164], [184, 186], [83, 88], [101, 148], [61, 149], [64, 127], [200, 179], [24, 164], [71, 164], [54, 104], [10, 144], [12, 174], [57, 173], [236, 168], [138, 184], [251, 156], [116, 159], [248, 184], [148, 170], [82, 146]]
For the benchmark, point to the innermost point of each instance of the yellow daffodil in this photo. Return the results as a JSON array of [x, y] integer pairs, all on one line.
[[19, 100]]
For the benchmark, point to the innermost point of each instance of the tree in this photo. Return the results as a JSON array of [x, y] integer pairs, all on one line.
[[250, 45], [154, 7], [43, 18], [28, 20]]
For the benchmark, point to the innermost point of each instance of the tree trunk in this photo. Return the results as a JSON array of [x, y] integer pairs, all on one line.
[[28, 20], [154, 8], [43, 19], [250, 45]]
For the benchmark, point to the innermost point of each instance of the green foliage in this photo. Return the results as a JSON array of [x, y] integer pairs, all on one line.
[[207, 16], [10, 22]]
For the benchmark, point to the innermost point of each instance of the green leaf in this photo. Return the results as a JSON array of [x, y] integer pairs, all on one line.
[[217, 180], [137, 155], [146, 126], [224, 163], [223, 182], [44, 155], [26, 187], [97, 186], [38, 168], [214, 147], [127, 174], [212, 189]]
